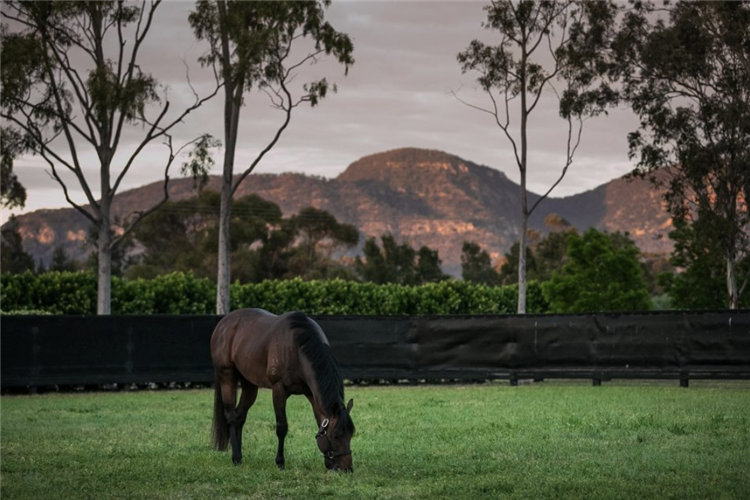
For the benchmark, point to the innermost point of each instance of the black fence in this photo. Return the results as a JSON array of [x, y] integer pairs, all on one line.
[[41, 351]]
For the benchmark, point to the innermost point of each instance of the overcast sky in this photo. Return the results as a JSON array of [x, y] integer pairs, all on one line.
[[397, 94]]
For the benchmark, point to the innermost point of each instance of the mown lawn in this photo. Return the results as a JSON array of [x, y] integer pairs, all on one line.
[[548, 440]]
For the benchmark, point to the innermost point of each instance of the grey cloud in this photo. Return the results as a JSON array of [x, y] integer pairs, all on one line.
[[397, 94]]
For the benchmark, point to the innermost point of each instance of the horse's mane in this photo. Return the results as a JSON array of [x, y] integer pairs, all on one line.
[[324, 366]]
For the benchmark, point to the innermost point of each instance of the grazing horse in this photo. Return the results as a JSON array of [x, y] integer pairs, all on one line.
[[288, 354]]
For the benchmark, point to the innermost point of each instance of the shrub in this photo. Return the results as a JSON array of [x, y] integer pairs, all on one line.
[[180, 293], [175, 293], [56, 292]]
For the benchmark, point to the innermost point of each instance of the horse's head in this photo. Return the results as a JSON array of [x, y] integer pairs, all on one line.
[[334, 437]]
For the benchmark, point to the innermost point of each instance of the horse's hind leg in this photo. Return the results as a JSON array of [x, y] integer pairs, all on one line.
[[222, 395], [279, 407], [227, 378], [247, 398]]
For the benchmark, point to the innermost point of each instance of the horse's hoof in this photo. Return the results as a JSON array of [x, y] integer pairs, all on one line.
[[237, 462], [280, 466]]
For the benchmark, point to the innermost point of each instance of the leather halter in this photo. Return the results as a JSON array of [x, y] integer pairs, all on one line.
[[330, 454]]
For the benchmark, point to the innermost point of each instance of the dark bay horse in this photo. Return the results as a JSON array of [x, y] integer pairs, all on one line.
[[288, 354]]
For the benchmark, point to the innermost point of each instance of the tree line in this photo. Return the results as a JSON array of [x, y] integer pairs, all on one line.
[[682, 67], [593, 271]]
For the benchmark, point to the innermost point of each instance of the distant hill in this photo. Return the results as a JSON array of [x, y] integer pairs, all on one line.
[[424, 196]]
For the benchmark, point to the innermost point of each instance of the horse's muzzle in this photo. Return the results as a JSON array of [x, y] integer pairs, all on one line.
[[347, 470], [340, 461]]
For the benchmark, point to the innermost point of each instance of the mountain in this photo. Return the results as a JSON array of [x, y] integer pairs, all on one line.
[[424, 196]]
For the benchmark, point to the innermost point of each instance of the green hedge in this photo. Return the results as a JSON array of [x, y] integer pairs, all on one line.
[[56, 293], [178, 293]]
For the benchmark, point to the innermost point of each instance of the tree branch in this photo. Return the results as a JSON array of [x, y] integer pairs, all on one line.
[[140, 215], [59, 180], [569, 160], [155, 131], [272, 143]]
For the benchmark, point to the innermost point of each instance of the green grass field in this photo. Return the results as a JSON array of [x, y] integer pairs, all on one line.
[[546, 440]]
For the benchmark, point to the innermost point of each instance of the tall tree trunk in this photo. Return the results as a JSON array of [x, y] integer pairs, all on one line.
[[734, 296], [524, 198], [104, 249], [232, 103], [104, 272], [224, 274], [522, 249]]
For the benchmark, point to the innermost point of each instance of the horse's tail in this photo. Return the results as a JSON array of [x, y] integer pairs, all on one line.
[[220, 426]]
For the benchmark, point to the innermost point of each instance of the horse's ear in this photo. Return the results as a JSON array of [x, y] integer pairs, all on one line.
[[349, 406]]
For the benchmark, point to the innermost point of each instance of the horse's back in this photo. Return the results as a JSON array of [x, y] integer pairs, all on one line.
[[254, 342], [239, 326]]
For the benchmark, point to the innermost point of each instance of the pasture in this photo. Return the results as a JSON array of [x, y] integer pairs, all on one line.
[[546, 440]]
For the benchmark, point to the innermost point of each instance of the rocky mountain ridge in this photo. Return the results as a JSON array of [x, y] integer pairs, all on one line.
[[424, 196]]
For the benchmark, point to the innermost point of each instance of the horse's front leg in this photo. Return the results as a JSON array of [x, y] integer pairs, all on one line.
[[280, 396]]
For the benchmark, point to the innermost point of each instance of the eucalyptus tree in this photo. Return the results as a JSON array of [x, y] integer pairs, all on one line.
[[12, 192], [13, 258], [61, 261], [398, 263], [476, 265], [685, 68], [602, 273], [259, 46], [542, 43], [320, 235], [73, 87], [183, 235]]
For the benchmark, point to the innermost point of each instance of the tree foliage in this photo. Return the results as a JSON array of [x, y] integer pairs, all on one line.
[[73, 83], [398, 263], [256, 46], [602, 274], [183, 237], [542, 43], [702, 282], [476, 265], [61, 262], [320, 236], [545, 254], [685, 68], [12, 192], [14, 258], [508, 273]]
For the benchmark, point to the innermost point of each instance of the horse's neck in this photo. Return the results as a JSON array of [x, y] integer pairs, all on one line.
[[324, 405], [320, 401]]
